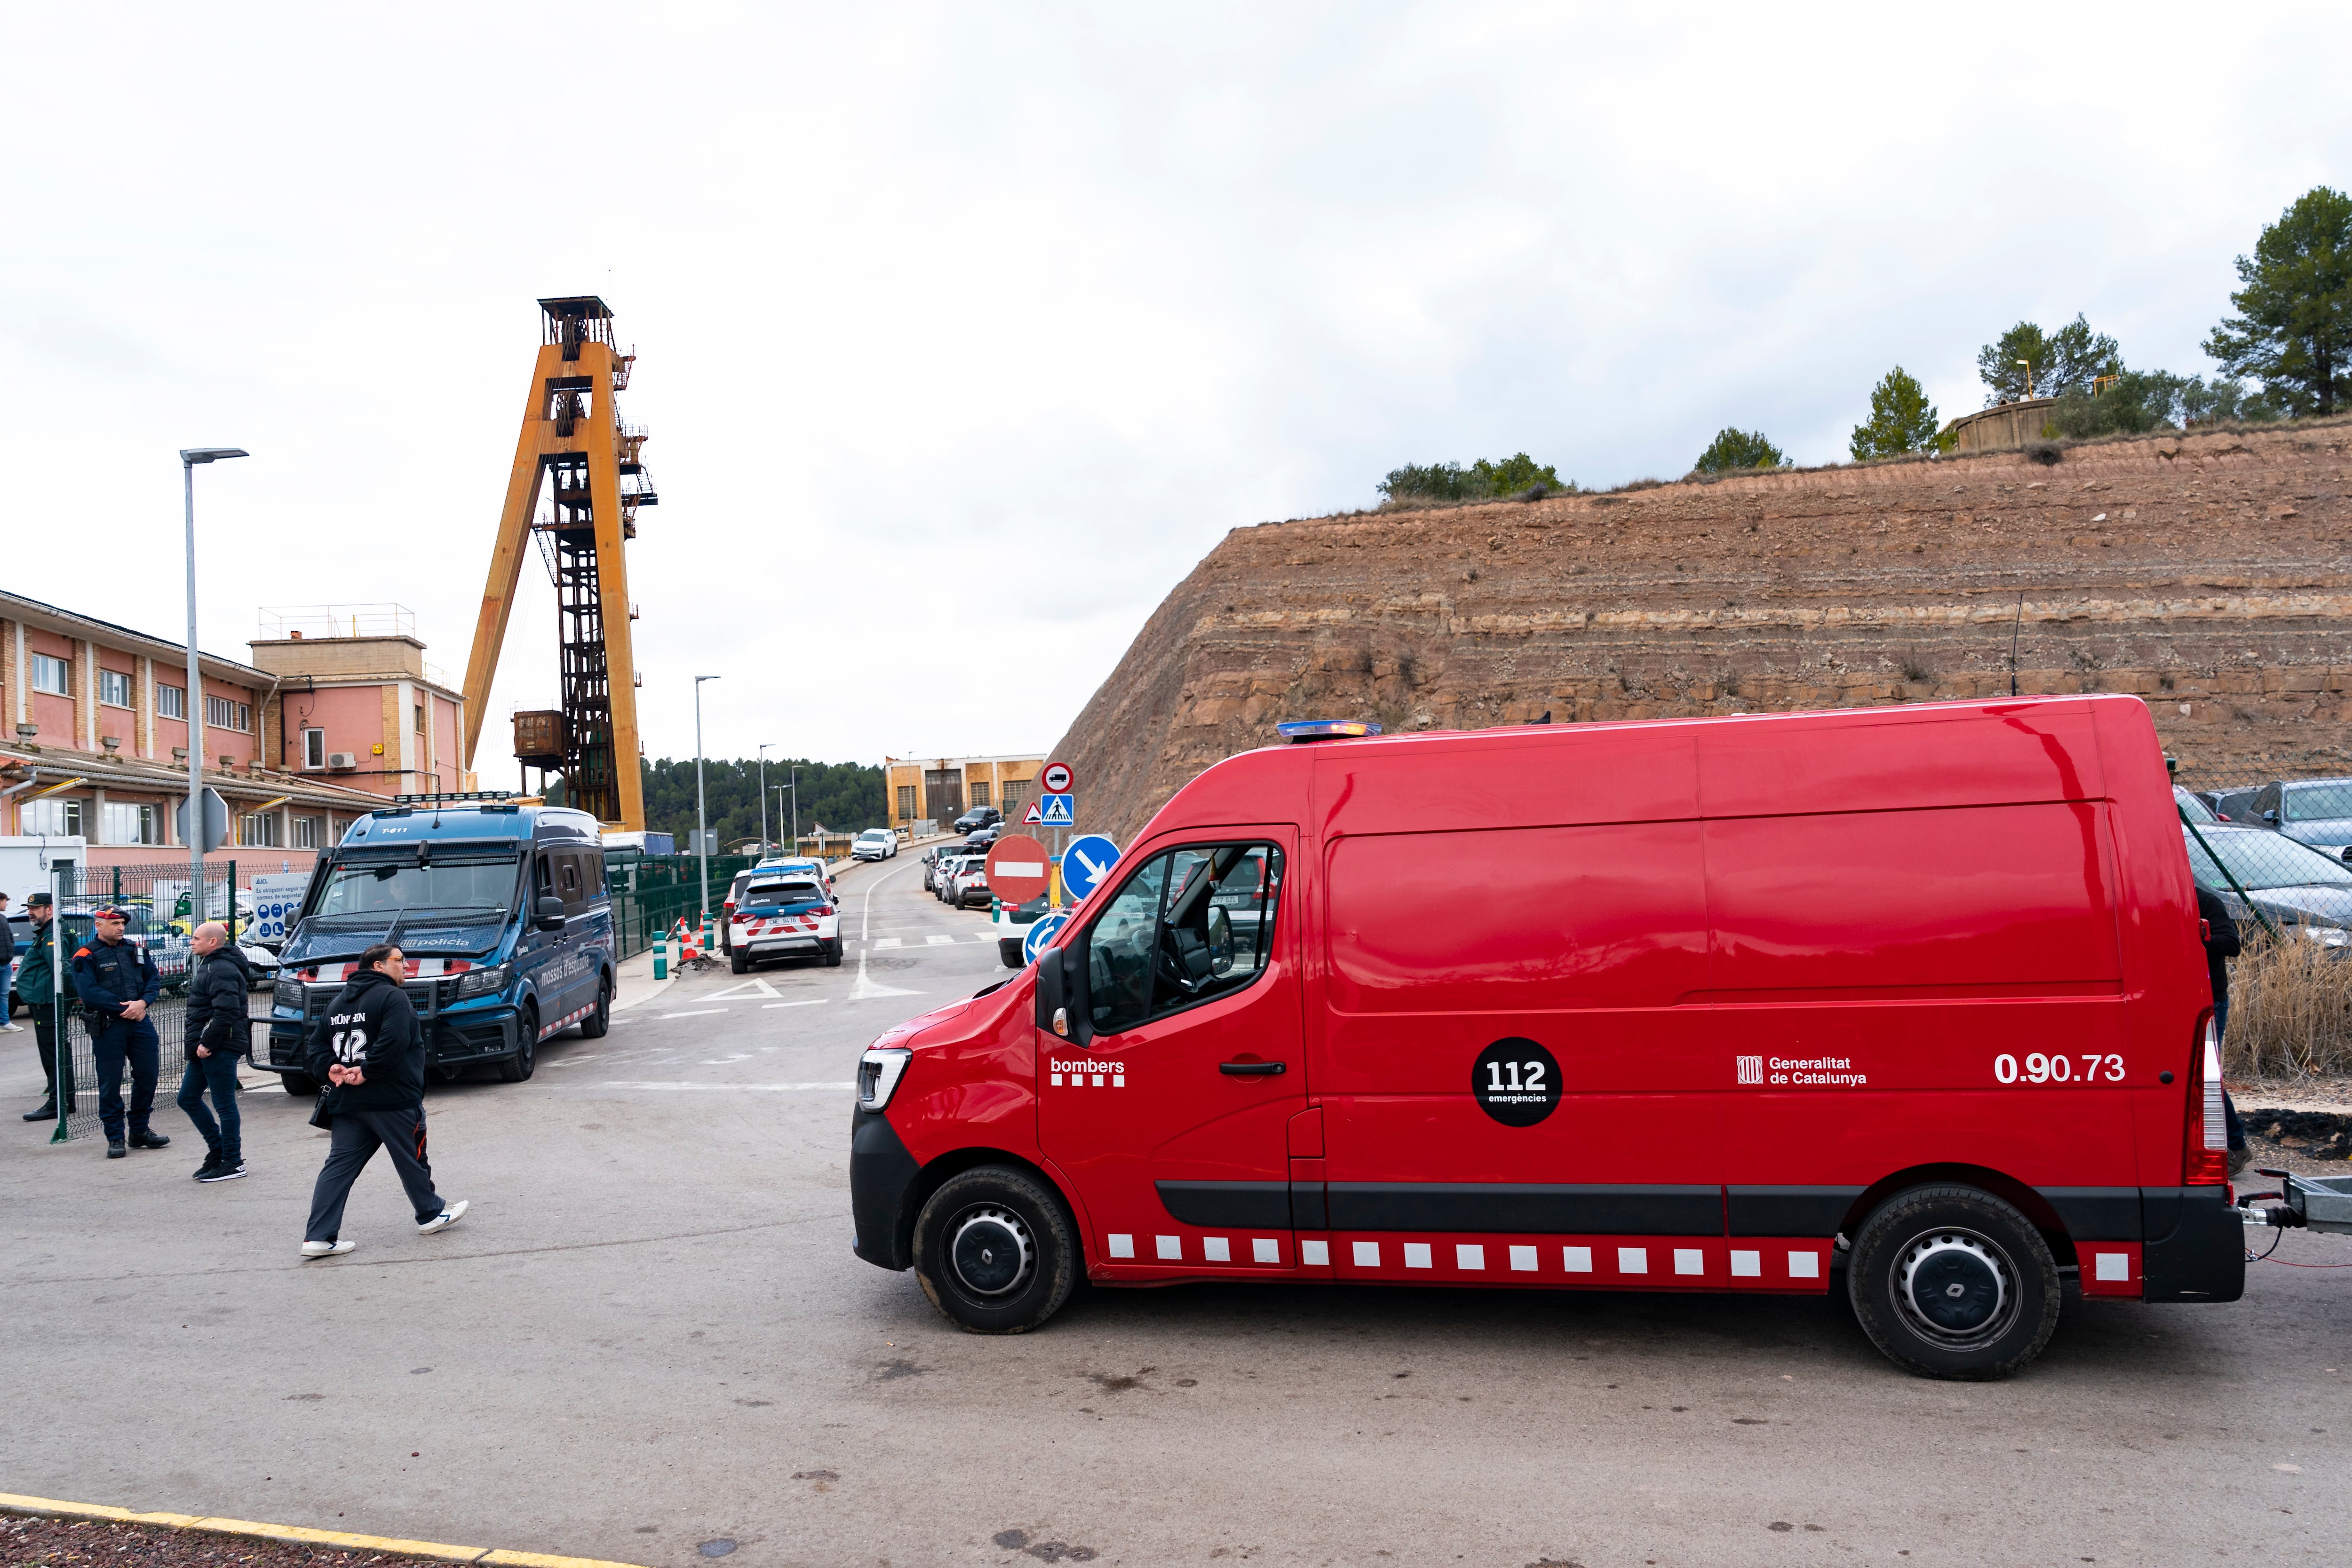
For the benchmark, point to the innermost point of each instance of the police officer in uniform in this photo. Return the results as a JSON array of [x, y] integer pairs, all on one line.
[[35, 984], [116, 983]]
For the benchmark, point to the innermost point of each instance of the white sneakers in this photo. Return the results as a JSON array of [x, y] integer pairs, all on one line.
[[12, 1029], [441, 1221], [444, 1219]]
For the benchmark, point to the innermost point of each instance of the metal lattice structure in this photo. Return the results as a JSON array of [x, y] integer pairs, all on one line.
[[575, 451]]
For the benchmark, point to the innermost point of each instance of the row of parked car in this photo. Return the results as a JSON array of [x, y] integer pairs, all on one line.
[[2283, 849], [957, 874]]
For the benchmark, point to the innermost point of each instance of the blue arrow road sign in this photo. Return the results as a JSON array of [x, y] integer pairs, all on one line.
[[1041, 936], [1055, 810], [1085, 863]]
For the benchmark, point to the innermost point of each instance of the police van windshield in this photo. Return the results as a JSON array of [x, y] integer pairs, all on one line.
[[370, 889], [784, 893]]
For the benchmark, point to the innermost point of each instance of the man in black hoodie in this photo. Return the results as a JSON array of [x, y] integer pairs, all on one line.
[[369, 1049], [218, 1033]]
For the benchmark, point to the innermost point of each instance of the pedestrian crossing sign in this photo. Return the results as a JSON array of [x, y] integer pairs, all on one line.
[[1055, 809]]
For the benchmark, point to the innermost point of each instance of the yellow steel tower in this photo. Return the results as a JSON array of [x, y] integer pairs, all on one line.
[[573, 443]]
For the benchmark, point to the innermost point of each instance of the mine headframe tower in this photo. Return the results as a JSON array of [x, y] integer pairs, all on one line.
[[575, 447]]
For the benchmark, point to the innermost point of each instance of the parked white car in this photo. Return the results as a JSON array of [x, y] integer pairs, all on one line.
[[874, 844]]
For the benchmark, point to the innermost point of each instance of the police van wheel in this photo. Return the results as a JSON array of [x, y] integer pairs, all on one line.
[[1951, 1282], [995, 1251], [739, 963], [298, 1084], [525, 1060]]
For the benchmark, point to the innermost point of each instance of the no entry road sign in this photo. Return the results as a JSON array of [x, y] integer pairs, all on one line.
[[1053, 778], [1017, 869], [1087, 862]]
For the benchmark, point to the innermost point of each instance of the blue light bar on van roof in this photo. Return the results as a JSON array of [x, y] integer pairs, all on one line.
[[469, 795], [1305, 729]]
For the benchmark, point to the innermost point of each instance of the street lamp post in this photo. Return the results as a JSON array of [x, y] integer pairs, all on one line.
[[192, 705], [796, 807], [763, 795], [701, 822]]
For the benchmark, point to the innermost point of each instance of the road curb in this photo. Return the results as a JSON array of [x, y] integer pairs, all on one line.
[[49, 1508]]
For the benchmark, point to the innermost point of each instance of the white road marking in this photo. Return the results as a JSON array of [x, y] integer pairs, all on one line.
[[740, 1088], [866, 990], [697, 1013], [723, 1060], [887, 941], [811, 1002], [937, 940], [754, 987]]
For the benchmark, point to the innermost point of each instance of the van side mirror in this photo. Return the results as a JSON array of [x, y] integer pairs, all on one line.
[[1063, 1008], [1220, 941], [549, 911], [2271, 815]]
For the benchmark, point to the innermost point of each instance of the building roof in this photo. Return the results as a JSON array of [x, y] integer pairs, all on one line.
[[17, 606], [20, 764]]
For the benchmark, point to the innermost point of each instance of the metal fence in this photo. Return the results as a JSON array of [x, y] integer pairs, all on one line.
[[160, 908], [653, 893]]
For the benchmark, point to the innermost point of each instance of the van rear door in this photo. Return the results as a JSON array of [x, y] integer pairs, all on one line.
[[1173, 1121]]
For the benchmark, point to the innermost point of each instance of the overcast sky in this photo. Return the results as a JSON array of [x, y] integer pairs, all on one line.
[[965, 331]]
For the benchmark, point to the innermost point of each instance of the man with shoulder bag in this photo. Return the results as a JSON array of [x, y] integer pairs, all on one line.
[[368, 1049], [219, 1033]]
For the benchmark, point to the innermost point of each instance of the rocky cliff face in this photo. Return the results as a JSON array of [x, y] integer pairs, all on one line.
[[2206, 573]]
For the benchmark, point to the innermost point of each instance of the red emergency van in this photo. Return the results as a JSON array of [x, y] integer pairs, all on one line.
[[1906, 1001]]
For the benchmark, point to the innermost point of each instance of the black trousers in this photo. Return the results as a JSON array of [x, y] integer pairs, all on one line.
[[45, 1039], [117, 1042], [357, 1135]]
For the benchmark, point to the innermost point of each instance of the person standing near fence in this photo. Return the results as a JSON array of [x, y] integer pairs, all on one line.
[[7, 962], [36, 983], [116, 983], [219, 1033], [369, 1049], [2221, 945]]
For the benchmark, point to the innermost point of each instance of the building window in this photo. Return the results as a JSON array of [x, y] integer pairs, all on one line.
[[310, 832], [52, 675], [258, 829], [171, 702], [50, 819], [980, 792], [1017, 795], [314, 750], [906, 802], [222, 714], [131, 824], [420, 718], [114, 688]]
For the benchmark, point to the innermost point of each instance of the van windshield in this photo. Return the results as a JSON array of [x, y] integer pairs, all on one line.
[[2316, 802], [372, 889], [2259, 860]]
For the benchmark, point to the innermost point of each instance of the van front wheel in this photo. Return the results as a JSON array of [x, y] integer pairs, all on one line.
[[1951, 1282], [525, 1060], [994, 1252]]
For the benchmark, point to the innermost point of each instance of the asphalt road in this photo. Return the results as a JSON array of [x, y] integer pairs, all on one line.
[[650, 1334]]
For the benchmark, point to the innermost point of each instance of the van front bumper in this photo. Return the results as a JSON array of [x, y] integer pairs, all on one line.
[[451, 1039], [882, 1176]]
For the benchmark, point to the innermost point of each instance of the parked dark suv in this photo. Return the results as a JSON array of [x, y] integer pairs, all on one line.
[[979, 817]]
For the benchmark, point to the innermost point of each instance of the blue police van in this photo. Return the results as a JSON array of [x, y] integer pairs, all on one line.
[[500, 910]]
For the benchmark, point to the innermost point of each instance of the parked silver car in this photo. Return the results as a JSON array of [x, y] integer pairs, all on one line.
[[2292, 885], [2314, 811]]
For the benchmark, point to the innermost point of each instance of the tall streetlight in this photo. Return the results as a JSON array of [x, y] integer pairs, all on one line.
[[193, 704], [702, 825], [763, 795], [796, 807]]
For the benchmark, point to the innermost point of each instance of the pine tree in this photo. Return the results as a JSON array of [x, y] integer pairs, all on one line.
[[1736, 449], [1901, 419], [2295, 326]]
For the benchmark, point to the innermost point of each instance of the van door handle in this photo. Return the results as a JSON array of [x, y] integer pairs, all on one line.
[[1252, 1068]]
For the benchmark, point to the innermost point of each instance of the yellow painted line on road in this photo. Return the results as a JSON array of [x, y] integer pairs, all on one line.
[[50, 1507]]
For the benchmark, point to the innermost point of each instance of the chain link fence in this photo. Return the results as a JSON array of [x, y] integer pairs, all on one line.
[[2277, 852], [653, 893], [158, 902]]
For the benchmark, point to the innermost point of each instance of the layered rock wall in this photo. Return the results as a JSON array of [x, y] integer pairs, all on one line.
[[2206, 573]]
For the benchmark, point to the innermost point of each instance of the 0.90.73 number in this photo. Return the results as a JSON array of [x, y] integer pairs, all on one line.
[[2040, 1068]]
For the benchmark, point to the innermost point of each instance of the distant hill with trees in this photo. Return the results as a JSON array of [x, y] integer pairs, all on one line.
[[846, 796]]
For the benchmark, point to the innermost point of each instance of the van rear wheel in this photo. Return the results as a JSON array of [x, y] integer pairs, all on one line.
[[995, 1251], [1951, 1282], [599, 1022]]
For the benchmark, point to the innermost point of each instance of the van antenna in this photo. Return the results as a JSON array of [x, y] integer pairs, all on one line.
[[2013, 627]]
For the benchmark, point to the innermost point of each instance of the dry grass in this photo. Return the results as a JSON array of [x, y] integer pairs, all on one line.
[[2290, 1009]]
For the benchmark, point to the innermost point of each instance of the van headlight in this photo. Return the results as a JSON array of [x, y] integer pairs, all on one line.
[[484, 982], [287, 993], [879, 1071]]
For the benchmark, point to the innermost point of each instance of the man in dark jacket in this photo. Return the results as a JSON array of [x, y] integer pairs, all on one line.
[[219, 1033], [2220, 945], [116, 983], [7, 962], [37, 984], [369, 1049]]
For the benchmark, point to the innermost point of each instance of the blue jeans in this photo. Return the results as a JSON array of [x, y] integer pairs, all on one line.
[[114, 1041], [216, 1073]]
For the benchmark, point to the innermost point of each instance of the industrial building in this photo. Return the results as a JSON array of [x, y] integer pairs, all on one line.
[[942, 788]]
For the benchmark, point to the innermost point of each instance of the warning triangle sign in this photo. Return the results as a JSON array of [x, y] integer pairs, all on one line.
[[1032, 818]]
